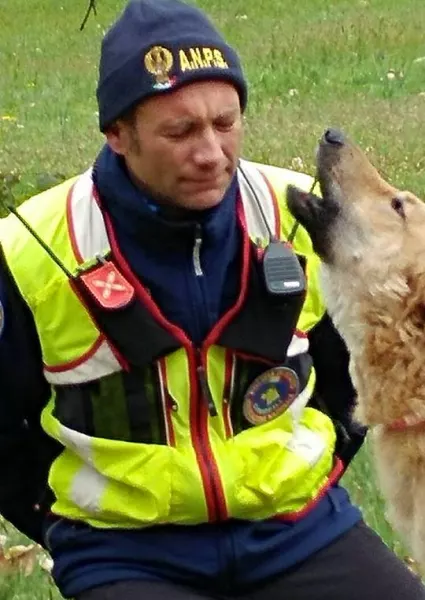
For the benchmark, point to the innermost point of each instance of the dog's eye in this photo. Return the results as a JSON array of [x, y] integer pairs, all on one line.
[[398, 205]]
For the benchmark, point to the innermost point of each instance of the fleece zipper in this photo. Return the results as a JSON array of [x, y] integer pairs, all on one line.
[[196, 254], [201, 292]]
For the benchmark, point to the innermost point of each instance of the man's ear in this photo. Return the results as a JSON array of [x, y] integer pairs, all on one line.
[[116, 136]]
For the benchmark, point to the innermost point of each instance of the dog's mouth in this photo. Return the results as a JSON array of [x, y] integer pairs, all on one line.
[[337, 160], [319, 215]]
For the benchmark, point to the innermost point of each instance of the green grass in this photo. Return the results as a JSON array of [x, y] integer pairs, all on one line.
[[35, 587], [310, 64]]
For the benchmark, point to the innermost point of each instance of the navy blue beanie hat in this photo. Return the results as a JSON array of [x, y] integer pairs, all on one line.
[[157, 46]]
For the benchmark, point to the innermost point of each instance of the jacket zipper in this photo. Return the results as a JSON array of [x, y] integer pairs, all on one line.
[[200, 369], [203, 400], [203, 384]]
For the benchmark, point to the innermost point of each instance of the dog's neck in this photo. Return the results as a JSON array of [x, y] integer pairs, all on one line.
[[386, 345], [353, 305]]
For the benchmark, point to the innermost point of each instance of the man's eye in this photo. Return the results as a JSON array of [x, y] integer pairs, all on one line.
[[224, 125], [398, 205], [177, 135]]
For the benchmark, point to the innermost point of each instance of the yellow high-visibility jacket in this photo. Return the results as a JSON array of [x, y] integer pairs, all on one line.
[[189, 435]]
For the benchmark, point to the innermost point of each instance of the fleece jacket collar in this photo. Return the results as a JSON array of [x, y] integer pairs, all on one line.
[[136, 214]]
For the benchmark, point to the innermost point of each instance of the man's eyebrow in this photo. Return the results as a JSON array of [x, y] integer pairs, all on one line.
[[176, 122], [229, 111], [188, 120]]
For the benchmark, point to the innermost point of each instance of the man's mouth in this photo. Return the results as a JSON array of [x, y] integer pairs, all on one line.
[[204, 183]]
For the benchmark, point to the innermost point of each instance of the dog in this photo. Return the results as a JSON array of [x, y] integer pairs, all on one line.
[[371, 239]]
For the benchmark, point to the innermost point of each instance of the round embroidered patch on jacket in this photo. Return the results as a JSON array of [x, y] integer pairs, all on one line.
[[270, 394]]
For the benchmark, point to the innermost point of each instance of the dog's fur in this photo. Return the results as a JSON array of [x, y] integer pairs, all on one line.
[[371, 238]]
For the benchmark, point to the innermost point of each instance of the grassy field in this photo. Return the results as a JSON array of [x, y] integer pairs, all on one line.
[[357, 64]]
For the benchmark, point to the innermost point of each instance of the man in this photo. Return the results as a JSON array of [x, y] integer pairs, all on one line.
[[157, 326]]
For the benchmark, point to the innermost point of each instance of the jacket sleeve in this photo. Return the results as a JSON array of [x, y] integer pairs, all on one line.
[[25, 450], [334, 391]]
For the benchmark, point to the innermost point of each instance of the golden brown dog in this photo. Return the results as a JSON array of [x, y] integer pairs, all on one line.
[[371, 237]]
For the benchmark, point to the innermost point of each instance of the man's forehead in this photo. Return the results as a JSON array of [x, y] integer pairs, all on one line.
[[194, 101]]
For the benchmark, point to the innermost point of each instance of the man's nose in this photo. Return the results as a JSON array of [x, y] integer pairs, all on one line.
[[334, 136], [209, 150]]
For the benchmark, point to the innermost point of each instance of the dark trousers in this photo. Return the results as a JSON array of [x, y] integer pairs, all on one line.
[[356, 566]]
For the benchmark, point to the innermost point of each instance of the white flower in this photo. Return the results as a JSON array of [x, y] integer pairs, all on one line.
[[297, 163]]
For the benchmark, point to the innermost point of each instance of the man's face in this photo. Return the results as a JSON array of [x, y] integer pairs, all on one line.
[[184, 146]]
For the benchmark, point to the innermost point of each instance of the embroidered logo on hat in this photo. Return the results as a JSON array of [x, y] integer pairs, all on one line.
[[159, 62], [201, 58]]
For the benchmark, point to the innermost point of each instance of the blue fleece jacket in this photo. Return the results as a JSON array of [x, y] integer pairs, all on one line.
[[159, 246]]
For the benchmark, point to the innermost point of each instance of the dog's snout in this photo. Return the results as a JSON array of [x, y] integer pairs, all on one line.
[[334, 136]]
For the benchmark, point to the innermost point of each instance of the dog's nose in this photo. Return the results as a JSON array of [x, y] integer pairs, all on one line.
[[334, 136]]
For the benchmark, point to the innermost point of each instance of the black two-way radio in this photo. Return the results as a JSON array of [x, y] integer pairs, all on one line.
[[283, 273]]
